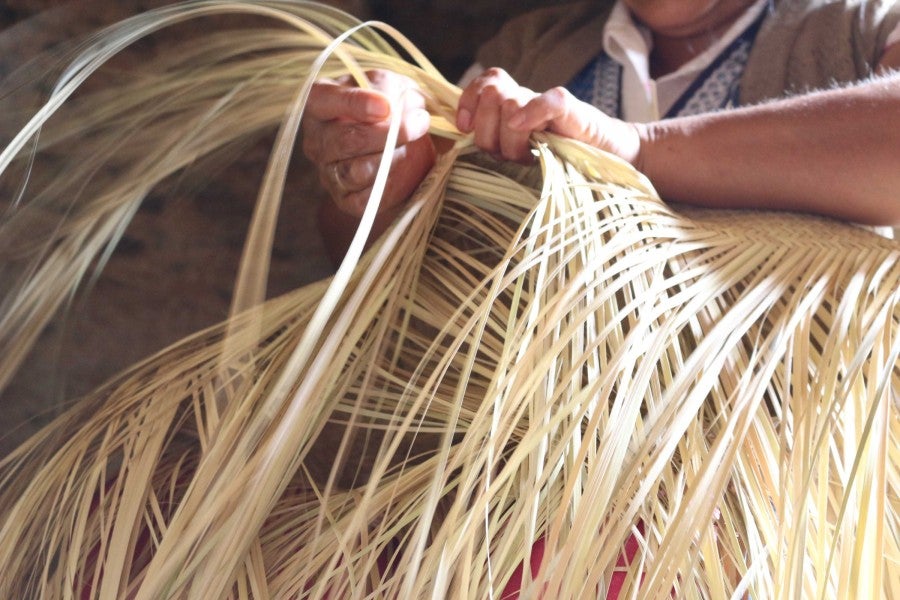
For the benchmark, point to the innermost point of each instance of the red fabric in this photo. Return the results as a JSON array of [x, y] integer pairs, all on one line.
[[514, 586]]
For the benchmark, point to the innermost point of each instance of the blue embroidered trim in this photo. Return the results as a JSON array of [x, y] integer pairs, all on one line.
[[599, 83], [715, 88], [719, 85]]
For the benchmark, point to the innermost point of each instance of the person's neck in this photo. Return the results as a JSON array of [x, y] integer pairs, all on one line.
[[671, 53], [672, 50]]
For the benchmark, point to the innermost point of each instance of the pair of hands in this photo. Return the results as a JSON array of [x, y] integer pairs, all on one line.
[[345, 128]]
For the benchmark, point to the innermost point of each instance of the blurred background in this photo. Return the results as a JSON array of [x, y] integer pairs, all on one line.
[[173, 271], [448, 31]]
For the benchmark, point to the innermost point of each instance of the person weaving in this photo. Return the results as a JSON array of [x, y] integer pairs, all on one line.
[[746, 104], [721, 103]]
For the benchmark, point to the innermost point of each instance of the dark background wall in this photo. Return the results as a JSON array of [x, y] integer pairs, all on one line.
[[174, 269], [447, 31], [173, 272]]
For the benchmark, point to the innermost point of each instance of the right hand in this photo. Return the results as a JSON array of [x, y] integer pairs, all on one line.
[[501, 115], [344, 132]]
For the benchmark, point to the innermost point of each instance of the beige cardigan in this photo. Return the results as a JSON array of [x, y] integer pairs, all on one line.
[[803, 45]]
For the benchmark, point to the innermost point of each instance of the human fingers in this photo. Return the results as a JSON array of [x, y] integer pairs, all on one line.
[[393, 84], [483, 107], [548, 110], [469, 100], [338, 125], [337, 140], [336, 110], [330, 99], [346, 147], [558, 111], [341, 98], [350, 182], [514, 143]]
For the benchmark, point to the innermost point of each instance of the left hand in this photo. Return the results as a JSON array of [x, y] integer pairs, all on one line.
[[502, 114]]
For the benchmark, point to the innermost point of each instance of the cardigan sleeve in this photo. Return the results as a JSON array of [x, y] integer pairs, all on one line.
[[803, 45], [817, 44], [548, 46]]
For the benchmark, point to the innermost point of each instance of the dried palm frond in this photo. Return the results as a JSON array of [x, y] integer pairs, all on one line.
[[542, 356]]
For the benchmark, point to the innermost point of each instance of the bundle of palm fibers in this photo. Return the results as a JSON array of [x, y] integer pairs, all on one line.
[[547, 355]]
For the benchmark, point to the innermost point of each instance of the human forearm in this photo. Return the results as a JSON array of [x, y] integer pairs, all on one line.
[[835, 152]]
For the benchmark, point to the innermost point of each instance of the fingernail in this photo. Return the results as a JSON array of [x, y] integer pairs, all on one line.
[[517, 120], [377, 108], [464, 120]]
